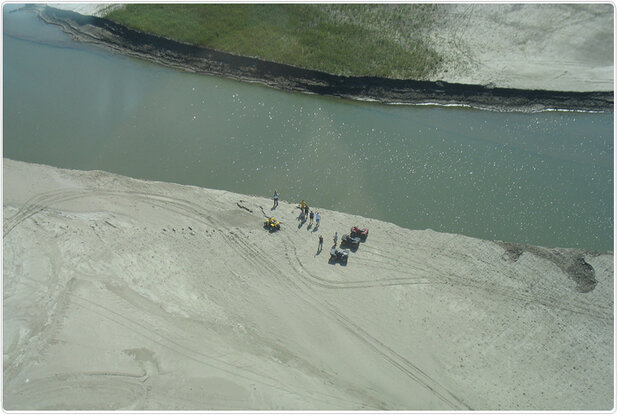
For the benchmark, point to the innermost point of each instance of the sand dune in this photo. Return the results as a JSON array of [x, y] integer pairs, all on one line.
[[135, 295]]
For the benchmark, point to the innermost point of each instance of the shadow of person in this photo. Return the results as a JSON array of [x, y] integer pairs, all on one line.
[[301, 224]]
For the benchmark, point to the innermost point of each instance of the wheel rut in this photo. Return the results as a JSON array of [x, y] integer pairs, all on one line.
[[302, 286]]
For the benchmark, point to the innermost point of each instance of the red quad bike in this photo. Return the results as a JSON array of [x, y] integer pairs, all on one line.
[[359, 233]]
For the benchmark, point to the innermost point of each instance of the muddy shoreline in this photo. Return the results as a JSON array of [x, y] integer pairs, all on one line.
[[192, 58]]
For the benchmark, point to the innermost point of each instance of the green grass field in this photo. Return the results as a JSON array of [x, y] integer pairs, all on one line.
[[384, 40]]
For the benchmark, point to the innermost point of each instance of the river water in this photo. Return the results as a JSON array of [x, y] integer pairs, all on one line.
[[544, 178]]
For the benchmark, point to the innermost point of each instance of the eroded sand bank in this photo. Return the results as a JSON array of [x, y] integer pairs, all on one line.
[[562, 47], [504, 57], [127, 294]]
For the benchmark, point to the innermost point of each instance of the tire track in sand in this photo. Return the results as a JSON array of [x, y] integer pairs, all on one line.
[[391, 356], [180, 207], [194, 211], [296, 263], [443, 276]]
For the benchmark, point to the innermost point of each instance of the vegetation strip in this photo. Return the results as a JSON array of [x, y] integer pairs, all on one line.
[[380, 40], [286, 77]]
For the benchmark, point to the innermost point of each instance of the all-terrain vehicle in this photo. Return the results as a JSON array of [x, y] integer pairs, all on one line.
[[351, 241], [361, 233], [336, 255], [272, 224]]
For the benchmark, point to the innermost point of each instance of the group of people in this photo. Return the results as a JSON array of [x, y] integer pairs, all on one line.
[[305, 210], [304, 214], [307, 213]]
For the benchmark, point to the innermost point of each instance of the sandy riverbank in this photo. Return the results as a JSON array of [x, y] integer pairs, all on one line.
[[527, 57], [127, 294], [552, 46]]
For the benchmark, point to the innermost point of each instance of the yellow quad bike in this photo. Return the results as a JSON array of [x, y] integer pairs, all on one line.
[[272, 224]]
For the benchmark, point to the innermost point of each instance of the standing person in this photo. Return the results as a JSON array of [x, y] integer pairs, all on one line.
[[318, 218], [336, 239], [306, 210], [320, 244], [311, 217], [275, 199]]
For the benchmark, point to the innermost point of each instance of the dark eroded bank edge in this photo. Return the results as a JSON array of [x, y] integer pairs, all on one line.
[[289, 78]]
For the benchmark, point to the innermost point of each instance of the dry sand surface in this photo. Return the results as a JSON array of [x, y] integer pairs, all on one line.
[[564, 47], [135, 295], [87, 9]]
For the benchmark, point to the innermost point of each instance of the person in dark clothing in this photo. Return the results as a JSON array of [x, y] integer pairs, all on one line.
[[275, 199]]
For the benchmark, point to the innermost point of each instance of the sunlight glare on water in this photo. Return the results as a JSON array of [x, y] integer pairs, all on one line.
[[545, 178]]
